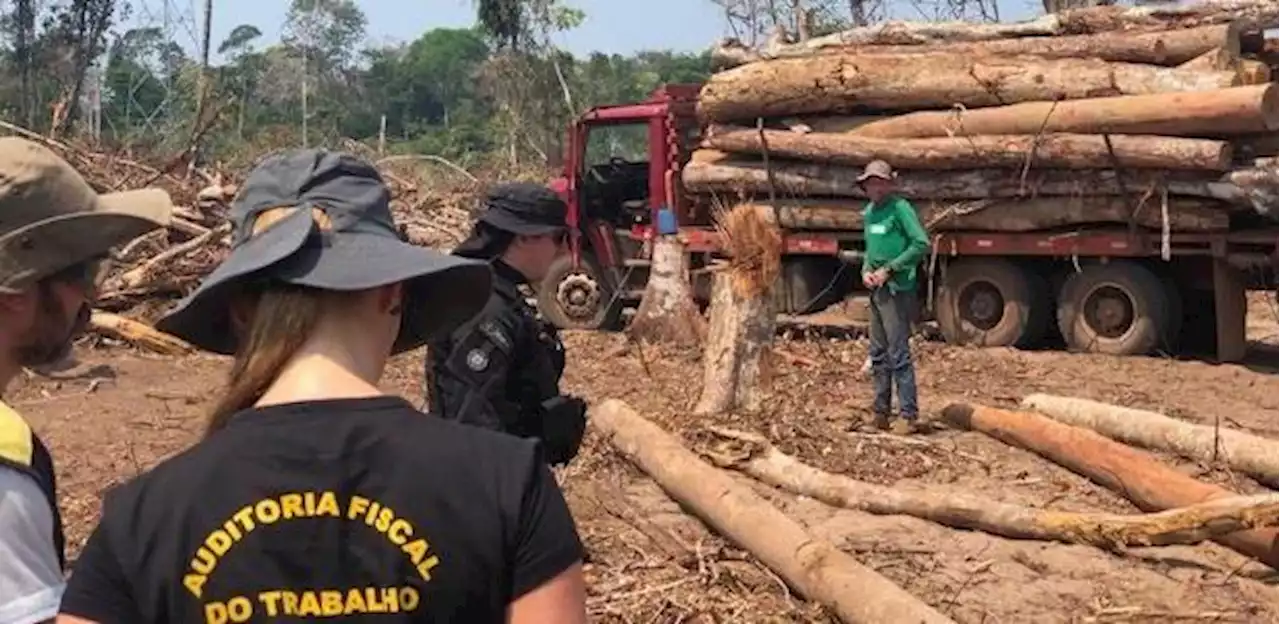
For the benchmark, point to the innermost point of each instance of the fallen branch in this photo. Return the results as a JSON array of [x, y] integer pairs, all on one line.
[[135, 277], [1134, 474], [814, 568], [138, 333], [1247, 453], [755, 456]]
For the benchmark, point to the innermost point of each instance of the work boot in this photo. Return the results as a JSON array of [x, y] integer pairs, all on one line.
[[880, 421], [905, 426]]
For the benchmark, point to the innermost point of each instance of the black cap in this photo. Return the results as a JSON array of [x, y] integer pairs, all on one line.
[[524, 208]]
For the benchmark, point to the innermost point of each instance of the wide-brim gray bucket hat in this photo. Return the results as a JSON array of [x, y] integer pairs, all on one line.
[[353, 245]]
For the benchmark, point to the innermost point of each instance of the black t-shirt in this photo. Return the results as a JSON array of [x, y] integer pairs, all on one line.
[[350, 509]]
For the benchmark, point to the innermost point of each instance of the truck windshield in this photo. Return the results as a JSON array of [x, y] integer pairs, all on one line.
[[617, 142]]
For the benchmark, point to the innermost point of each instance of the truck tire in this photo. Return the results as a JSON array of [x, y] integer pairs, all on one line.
[[991, 302], [1117, 308], [578, 298]]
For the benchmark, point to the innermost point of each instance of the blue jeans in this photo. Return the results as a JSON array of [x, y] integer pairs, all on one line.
[[891, 365]]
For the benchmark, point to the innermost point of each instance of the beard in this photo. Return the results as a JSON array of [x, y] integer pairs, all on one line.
[[52, 334]]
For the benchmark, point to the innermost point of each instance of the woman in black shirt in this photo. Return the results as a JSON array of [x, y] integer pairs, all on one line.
[[314, 494]]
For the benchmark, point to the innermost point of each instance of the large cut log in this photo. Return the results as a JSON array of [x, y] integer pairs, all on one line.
[[814, 568], [1221, 112], [1251, 15], [1056, 150], [667, 312], [1216, 59], [742, 313], [1132, 473], [1250, 187], [755, 456], [844, 83], [1250, 454], [1186, 214], [1163, 47], [1256, 185]]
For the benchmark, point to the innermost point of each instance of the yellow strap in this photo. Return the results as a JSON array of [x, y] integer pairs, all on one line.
[[15, 437]]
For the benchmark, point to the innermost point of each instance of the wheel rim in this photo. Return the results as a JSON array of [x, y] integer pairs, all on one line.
[[981, 305], [579, 296], [1109, 311]]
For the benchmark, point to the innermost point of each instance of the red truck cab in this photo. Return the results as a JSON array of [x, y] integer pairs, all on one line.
[[1110, 289]]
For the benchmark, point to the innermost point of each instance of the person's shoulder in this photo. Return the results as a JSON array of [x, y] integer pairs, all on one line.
[[167, 478], [481, 444], [24, 503], [898, 202], [31, 581]]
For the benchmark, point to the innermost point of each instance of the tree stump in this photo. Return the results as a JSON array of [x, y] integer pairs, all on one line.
[[667, 311], [742, 313]]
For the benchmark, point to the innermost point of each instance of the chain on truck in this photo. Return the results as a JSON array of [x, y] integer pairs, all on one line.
[[1131, 288]]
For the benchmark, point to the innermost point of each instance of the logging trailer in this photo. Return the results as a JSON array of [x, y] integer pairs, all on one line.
[[1115, 290]]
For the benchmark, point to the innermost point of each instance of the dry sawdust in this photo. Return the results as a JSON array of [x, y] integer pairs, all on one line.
[[650, 562]]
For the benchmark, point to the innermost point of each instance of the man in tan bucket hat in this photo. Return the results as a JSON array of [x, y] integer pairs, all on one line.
[[55, 230], [895, 244]]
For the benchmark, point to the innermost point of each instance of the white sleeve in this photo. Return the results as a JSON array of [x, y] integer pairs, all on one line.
[[31, 581]]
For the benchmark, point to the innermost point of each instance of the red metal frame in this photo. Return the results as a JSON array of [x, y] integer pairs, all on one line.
[[672, 104]]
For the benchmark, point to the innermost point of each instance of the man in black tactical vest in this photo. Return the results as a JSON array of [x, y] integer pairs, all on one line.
[[55, 230], [502, 369]]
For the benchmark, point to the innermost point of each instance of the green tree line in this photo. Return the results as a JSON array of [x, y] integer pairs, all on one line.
[[498, 90]]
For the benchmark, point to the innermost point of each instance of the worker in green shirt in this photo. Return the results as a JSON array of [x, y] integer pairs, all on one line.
[[896, 241]]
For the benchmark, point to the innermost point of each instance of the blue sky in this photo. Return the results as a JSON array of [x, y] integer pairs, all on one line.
[[621, 26]]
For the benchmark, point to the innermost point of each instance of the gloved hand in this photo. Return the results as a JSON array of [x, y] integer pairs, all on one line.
[[564, 421]]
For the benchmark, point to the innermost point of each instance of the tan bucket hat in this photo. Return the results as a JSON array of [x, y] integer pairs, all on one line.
[[50, 218], [877, 169]]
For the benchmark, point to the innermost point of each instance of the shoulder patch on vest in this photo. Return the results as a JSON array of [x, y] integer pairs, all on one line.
[[493, 331], [477, 360], [15, 437]]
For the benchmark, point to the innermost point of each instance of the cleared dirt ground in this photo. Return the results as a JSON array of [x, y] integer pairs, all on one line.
[[649, 562]]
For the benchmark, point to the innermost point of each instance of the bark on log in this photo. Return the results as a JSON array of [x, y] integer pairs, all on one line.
[[1246, 453], [1251, 187], [844, 83], [1057, 150], [814, 568], [1252, 15], [1134, 474], [138, 334], [1162, 47], [667, 312], [1186, 214], [733, 361], [1221, 112], [754, 456]]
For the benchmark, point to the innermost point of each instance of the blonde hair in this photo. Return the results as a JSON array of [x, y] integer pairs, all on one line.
[[281, 319]]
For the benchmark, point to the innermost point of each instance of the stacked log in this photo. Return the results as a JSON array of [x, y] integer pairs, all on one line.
[[1162, 118]]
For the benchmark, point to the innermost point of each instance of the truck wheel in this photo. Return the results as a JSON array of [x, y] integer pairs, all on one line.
[[1118, 308], [577, 298], [991, 302]]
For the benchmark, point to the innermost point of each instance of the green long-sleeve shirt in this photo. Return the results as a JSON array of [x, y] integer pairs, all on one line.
[[895, 239]]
